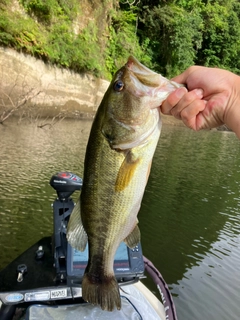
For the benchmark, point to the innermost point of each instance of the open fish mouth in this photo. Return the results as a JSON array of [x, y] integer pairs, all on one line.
[[147, 82], [142, 73]]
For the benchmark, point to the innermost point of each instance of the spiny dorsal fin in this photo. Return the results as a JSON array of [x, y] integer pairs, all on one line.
[[133, 238], [76, 234], [126, 171]]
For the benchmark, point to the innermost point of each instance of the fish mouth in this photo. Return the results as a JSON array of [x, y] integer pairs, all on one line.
[[146, 82], [142, 73]]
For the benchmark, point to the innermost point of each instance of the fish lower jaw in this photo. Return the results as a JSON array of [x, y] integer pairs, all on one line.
[[102, 291]]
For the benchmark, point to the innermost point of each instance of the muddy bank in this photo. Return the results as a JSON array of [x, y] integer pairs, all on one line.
[[47, 90]]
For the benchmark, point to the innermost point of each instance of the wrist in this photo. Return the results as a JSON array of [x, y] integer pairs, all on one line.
[[232, 114]]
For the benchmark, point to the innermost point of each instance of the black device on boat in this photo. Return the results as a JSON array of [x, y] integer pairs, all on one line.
[[51, 269], [128, 264]]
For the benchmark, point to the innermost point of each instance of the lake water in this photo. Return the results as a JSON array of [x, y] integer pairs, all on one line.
[[189, 218]]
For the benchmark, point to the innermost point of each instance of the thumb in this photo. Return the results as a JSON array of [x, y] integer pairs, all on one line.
[[181, 78]]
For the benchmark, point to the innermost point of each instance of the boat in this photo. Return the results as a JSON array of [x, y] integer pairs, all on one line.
[[44, 282]]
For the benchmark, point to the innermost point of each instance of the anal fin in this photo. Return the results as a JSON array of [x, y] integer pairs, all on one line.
[[133, 238], [76, 234]]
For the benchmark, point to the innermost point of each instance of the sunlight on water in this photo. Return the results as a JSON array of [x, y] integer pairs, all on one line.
[[189, 219]]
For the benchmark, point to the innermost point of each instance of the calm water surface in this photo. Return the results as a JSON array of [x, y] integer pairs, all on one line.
[[189, 218]]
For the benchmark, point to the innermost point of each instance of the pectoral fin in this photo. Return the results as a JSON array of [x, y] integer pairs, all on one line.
[[76, 234], [133, 238], [126, 171]]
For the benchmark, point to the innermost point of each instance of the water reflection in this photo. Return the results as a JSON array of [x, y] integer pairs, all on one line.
[[210, 288], [192, 199], [189, 218], [29, 156]]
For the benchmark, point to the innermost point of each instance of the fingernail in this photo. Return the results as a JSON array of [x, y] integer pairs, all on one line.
[[199, 92], [180, 92]]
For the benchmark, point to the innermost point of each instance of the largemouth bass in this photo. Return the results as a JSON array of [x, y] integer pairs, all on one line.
[[118, 159]]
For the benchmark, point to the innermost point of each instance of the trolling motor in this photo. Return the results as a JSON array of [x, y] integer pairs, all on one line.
[[65, 184]]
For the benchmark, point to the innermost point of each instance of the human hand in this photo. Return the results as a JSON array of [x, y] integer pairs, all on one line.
[[212, 100]]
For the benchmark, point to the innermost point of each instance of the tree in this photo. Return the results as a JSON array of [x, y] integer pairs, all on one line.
[[221, 35], [175, 36]]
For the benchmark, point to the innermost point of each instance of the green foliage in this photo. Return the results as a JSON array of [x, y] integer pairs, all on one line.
[[50, 35], [78, 52], [87, 58], [221, 36], [184, 32], [175, 35], [167, 36], [47, 11], [40, 8], [123, 41], [21, 33]]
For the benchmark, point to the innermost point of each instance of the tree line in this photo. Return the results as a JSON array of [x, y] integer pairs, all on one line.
[[185, 32], [167, 36]]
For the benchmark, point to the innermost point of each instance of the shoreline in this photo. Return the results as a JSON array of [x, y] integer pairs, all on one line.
[[32, 89]]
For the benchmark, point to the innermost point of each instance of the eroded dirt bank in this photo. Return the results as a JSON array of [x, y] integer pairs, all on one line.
[[47, 89]]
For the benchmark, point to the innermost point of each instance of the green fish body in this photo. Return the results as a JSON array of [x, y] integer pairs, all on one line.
[[118, 159]]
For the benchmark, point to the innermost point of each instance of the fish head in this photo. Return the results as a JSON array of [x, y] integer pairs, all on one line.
[[131, 104]]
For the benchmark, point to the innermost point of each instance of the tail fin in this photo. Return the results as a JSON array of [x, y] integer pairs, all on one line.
[[103, 292]]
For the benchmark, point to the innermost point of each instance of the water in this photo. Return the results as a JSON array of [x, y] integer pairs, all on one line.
[[189, 218]]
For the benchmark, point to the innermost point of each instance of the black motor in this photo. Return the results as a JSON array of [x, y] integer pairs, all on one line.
[[65, 183]]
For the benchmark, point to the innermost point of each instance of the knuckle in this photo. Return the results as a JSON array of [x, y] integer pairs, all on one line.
[[185, 115], [172, 100], [176, 113], [192, 69], [165, 108], [189, 97]]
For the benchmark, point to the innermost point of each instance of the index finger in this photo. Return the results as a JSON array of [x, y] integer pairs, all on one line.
[[172, 100]]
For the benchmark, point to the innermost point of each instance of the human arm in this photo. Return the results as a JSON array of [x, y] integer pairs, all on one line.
[[212, 99]]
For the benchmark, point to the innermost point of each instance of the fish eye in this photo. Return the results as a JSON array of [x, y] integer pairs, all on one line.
[[118, 85]]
